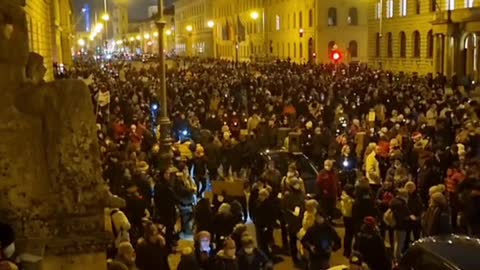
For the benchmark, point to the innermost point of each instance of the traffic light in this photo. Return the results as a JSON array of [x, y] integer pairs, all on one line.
[[336, 56]]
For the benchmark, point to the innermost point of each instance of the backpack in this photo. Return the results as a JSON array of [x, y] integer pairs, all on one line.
[[388, 218]]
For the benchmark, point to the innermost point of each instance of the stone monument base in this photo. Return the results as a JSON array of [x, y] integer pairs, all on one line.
[[90, 261]]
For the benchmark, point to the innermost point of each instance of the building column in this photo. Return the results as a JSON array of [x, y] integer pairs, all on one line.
[[448, 56], [438, 53], [470, 54]]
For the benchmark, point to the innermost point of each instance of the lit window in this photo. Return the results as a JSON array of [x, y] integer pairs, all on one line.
[[378, 12], [469, 3], [403, 7], [390, 9], [450, 4], [277, 22]]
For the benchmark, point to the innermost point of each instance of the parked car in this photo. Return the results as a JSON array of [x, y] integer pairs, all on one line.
[[283, 158], [452, 252]]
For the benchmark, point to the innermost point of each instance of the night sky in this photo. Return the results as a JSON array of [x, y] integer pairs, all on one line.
[[137, 8]]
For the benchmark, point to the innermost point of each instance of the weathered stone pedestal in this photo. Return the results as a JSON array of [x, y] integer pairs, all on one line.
[[51, 187]]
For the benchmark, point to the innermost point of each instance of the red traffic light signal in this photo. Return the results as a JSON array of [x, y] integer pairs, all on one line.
[[336, 55]]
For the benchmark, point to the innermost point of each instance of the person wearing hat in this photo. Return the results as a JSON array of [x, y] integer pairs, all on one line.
[[200, 169], [293, 207], [369, 243], [226, 258], [135, 210], [321, 240]]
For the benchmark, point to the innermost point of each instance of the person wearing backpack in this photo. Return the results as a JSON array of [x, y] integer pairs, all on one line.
[[402, 219]]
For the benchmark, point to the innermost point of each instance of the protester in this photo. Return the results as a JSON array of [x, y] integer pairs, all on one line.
[[151, 250], [436, 220], [226, 258], [251, 258], [369, 243]]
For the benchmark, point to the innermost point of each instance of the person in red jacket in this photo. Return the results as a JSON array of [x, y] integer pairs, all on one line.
[[328, 188], [454, 177], [119, 129]]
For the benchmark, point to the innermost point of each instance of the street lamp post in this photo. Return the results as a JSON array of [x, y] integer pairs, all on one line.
[[163, 120]]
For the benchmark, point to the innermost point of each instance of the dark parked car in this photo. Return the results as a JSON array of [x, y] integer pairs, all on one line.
[[283, 158], [452, 252]]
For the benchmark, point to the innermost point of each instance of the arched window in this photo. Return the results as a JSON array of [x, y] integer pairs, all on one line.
[[416, 44], [433, 5], [332, 16], [352, 16], [377, 45], [389, 45], [403, 44], [331, 44], [353, 48], [310, 18], [430, 44]]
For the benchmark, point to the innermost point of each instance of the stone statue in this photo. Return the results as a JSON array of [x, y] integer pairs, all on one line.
[[51, 187]]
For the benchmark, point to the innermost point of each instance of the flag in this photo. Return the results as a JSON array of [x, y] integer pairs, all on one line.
[[241, 30]]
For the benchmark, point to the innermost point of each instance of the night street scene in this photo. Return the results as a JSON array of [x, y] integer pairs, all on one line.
[[239, 134]]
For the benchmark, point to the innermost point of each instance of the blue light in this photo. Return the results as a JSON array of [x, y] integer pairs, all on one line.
[[185, 132], [154, 107]]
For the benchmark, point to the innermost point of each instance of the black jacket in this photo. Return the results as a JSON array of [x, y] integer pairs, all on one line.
[[291, 201], [165, 202], [321, 240], [372, 248], [224, 263], [363, 207], [151, 256], [256, 261], [401, 213]]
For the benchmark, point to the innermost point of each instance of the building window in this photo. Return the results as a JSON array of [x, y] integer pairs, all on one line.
[[417, 6], [288, 49], [310, 18], [300, 47], [294, 50], [300, 19], [450, 4], [469, 3], [294, 21], [416, 44], [430, 44], [403, 44], [403, 8], [277, 22], [288, 21], [389, 8], [332, 16], [433, 5], [331, 44], [353, 48], [352, 16], [389, 45], [378, 10], [377, 45]]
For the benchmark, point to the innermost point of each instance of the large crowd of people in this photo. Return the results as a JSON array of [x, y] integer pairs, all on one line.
[[397, 158]]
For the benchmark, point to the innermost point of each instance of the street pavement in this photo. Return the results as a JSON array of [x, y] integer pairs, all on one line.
[[287, 264]]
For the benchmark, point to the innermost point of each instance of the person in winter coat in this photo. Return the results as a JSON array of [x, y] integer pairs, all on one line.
[[213, 152], [436, 220], [272, 177], [152, 252], [372, 168], [223, 224], [321, 240], [200, 170], [226, 258], [135, 210], [166, 201], [402, 217], [293, 206], [370, 244], [385, 196], [346, 205], [346, 165], [454, 177], [251, 258], [204, 250], [363, 206], [188, 260], [239, 231], [416, 209], [203, 216], [126, 256], [264, 220], [327, 183]]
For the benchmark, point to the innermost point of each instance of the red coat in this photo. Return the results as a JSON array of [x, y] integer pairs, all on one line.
[[119, 130], [327, 183]]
